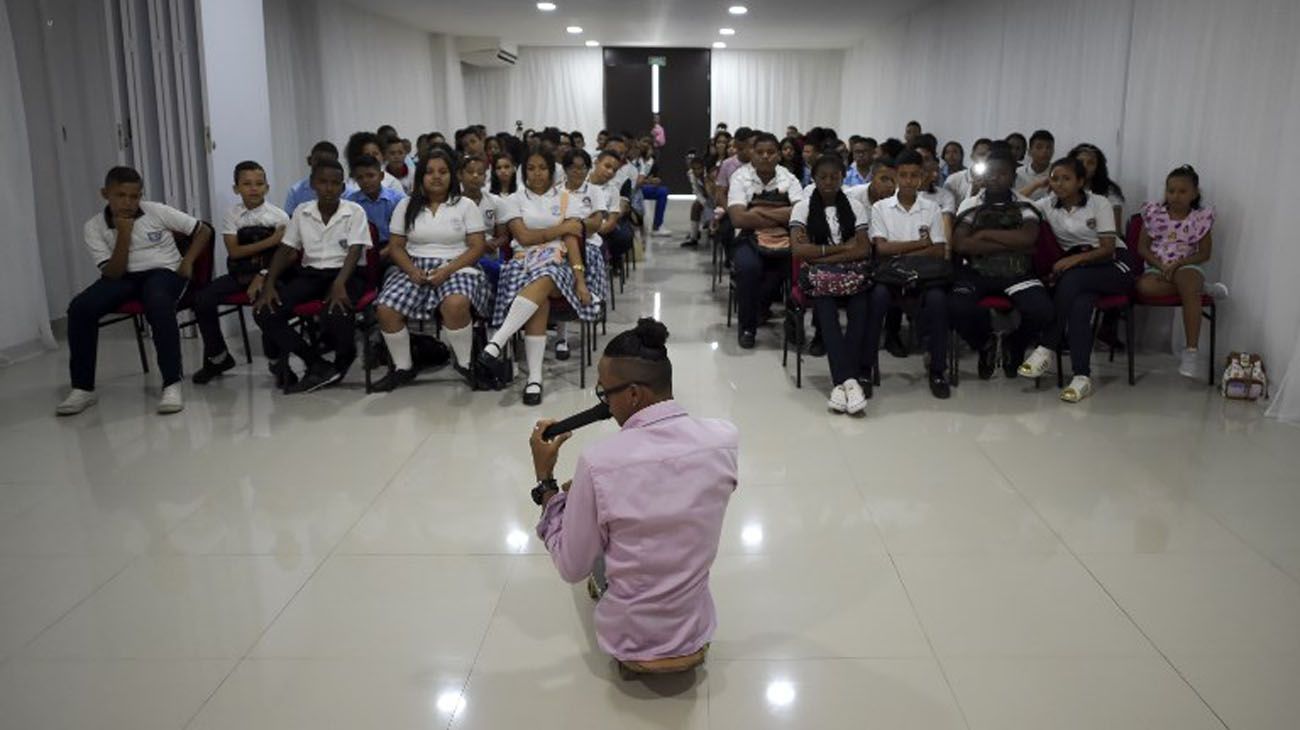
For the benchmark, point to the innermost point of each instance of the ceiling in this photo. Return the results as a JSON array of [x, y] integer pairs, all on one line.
[[683, 23]]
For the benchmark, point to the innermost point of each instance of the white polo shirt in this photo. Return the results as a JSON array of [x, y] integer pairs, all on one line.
[[861, 221], [266, 214], [537, 211], [893, 222], [489, 206], [943, 198], [441, 234], [745, 184], [153, 245], [959, 184], [1025, 176], [325, 245], [394, 183], [862, 194], [1081, 226]]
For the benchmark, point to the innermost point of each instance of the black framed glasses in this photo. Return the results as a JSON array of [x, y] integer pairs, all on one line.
[[603, 395]]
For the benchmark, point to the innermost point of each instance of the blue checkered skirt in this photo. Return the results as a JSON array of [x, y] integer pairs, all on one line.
[[421, 302], [515, 276]]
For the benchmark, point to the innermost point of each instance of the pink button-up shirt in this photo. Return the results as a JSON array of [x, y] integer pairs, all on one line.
[[650, 499]]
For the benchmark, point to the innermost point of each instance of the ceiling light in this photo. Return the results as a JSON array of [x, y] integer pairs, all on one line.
[[737, 10], [574, 29], [593, 44], [546, 7], [726, 31], [719, 44]]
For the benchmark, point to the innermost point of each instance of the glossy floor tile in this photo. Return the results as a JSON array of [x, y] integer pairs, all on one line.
[[998, 560]]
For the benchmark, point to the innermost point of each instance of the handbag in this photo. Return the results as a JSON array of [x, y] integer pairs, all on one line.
[[246, 268], [834, 280], [911, 272], [1244, 377]]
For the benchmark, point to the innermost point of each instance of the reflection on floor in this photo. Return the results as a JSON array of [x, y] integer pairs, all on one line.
[[998, 560]]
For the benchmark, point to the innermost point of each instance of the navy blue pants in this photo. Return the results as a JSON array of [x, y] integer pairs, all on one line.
[[844, 349], [933, 323], [758, 280], [659, 194], [158, 289], [1075, 295], [972, 322]]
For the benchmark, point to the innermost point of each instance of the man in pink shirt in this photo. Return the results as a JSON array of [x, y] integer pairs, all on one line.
[[650, 501]]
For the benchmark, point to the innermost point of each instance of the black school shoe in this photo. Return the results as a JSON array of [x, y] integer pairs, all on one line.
[[939, 387], [988, 358], [747, 339], [894, 345], [211, 369], [496, 367], [394, 379], [691, 243], [816, 348], [533, 394], [320, 375], [562, 350], [285, 377]]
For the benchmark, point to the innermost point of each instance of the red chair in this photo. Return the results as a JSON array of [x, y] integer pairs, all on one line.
[[796, 304], [1209, 308], [133, 309]]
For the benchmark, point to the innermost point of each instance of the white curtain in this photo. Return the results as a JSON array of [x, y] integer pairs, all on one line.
[[561, 87], [1155, 83], [25, 326], [770, 90], [335, 69]]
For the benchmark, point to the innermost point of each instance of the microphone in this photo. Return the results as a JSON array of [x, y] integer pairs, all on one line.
[[598, 412]]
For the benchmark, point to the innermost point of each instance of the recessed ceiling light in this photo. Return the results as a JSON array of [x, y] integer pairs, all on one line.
[[546, 7], [593, 44], [726, 31], [737, 10], [574, 29], [719, 44]]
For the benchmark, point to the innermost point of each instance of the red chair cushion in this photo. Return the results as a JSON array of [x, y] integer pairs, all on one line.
[[309, 309], [135, 306], [238, 299], [1171, 300], [1114, 301], [1000, 303]]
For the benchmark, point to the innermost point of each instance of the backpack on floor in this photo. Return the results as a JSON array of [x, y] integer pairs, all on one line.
[[1244, 378]]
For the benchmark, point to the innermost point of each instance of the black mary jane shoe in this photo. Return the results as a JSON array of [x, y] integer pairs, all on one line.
[[533, 394], [393, 380]]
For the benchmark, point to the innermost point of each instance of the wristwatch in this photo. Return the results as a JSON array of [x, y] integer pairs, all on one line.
[[544, 486]]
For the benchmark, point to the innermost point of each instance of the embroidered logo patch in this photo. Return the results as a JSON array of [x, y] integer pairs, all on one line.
[[343, 243], [1092, 224], [155, 236], [555, 210], [924, 231]]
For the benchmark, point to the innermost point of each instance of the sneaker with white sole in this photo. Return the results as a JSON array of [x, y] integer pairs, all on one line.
[[76, 402], [1189, 365], [839, 400], [1036, 364], [662, 233], [171, 400], [1078, 389], [855, 398], [1217, 290]]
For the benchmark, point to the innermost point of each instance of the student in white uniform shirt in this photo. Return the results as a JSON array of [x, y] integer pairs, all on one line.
[[964, 184], [301, 191], [397, 164], [437, 238], [1089, 269], [828, 233], [759, 275], [472, 172], [1099, 182], [616, 230], [910, 224], [591, 207], [548, 259], [1031, 178], [942, 197], [332, 235], [362, 144], [134, 244], [261, 227]]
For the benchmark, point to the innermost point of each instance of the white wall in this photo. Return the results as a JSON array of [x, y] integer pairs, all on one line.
[[562, 87], [1155, 83], [770, 90]]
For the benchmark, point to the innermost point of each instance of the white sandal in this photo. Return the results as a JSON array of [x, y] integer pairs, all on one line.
[[1078, 389]]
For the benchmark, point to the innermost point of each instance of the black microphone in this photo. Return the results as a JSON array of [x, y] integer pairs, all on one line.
[[598, 412]]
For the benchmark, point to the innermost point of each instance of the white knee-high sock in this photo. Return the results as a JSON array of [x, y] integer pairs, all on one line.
[[399, 348], [520, 311], [461, 342], [534, 351]]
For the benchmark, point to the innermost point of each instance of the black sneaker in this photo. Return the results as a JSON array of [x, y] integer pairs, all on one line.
[[939, 387], [394, 379], [320, 375], [894, 345], [988, 358], [285, 377], [212, 369], [533, 394], [747, 338], [816, 348]]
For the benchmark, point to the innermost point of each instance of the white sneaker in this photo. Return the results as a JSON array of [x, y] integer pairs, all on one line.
[[1217, 290], [839, 400], [76, 402], [171, 401], [1078, 389], [1036, 364], [1190, 364], [855, 399], [662, 233]]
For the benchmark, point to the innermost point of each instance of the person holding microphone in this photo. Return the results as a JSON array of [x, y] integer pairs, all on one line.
[[644, 507]]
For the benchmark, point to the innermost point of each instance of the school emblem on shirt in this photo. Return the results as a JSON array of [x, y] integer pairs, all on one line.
[[155, 236], [456, 224], [1092, 224], [555, 210], [924, 231], [586, 200], [343, 243]]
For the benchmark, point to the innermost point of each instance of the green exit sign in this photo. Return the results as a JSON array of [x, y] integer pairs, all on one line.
[[658, 60]]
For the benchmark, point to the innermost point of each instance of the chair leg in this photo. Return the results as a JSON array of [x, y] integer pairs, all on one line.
[[954, 376], [1060, 370], [138, 322], [731, 295], [365, 358], [243, 331], [582, 368], [1130, 330], [1214, 320]]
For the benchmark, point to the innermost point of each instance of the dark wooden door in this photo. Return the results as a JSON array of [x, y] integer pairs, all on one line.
[[684, 97]]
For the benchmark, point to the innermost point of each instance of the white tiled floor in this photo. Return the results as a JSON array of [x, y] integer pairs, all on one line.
[[1000, 560]]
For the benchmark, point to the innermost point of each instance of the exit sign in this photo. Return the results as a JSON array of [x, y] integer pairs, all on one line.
[[658, 60]]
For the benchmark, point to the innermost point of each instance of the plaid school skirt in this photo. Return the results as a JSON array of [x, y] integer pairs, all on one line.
[[515, 276], [421, 302], [597, 273]]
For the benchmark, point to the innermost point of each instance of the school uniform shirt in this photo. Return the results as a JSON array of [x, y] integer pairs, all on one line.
[[860, 193], [893, 222], [265, 214], [1025, 176], [489, 206], [745, 184], [379, 210], [1081, 226], [537, 211], [943, 197], [959, 184], [153, 245], [799, 218], [584, 202], [440, 234], [393, 182], [325, 245], [301, 192]]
